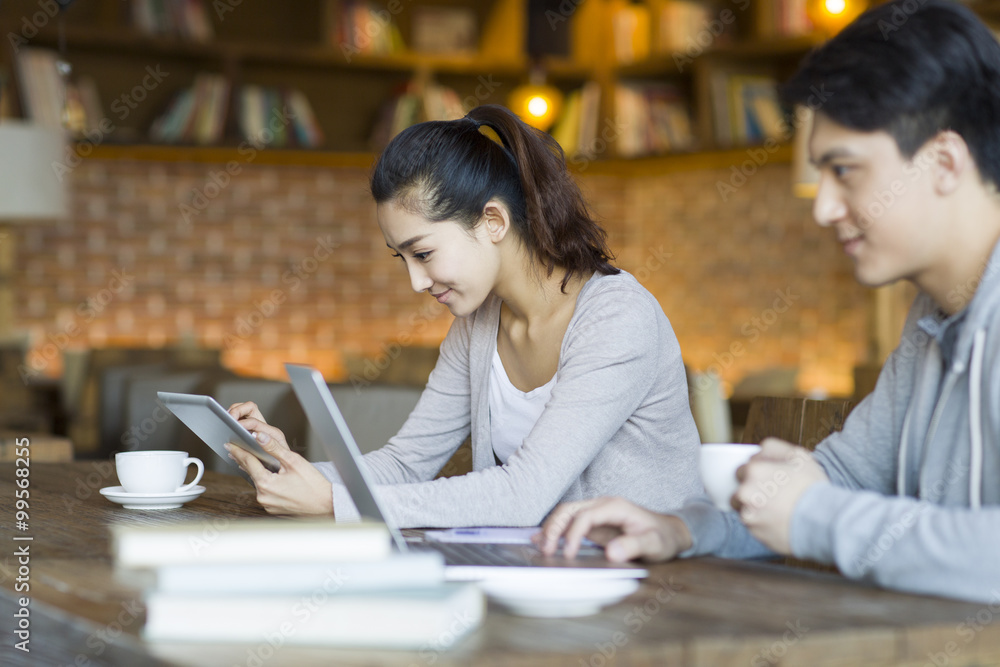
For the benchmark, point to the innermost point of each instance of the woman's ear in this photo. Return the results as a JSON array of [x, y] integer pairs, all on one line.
[[496, 220]]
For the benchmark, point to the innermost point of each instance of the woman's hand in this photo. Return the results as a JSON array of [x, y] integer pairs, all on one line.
[[625, 530], [298, 487]]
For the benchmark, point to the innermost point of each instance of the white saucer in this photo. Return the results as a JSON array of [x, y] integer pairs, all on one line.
[[557, 598], [150, 501]]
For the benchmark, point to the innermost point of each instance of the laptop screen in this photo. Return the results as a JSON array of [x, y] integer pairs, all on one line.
[[329, 423]]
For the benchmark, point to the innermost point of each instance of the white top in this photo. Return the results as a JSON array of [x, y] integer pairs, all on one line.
[[618, 423], [513, 412]]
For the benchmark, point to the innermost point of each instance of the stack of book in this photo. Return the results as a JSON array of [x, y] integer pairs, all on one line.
[[306, 582], [746, 109], [186, 19], [653, 118]]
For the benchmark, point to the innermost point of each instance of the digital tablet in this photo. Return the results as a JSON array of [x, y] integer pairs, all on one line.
[[215, 426]]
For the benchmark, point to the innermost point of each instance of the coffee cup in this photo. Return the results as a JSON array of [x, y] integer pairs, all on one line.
[[718, 464], [158, 471]]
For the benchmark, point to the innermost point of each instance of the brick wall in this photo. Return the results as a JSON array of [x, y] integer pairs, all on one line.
[[287, 264]]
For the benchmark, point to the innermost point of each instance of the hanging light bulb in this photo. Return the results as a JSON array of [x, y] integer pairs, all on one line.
[[537, 103], [830, 16]]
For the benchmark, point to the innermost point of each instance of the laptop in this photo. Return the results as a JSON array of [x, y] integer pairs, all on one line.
[[463, 561]]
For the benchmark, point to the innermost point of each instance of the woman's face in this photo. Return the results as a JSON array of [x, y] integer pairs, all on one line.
[[456, 265]]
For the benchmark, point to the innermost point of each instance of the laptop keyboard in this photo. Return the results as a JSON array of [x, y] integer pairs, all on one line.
[[503, 555]]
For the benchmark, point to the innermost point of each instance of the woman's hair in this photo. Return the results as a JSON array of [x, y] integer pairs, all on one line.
[[449, 170], [911, 69]]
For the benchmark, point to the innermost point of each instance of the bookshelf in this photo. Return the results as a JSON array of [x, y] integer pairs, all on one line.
[[268, 44]]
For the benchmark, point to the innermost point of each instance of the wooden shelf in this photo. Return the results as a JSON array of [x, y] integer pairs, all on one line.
[[769, 48], [271, 46], [666, 65], [670, 163], [224, 154], [104, 40]]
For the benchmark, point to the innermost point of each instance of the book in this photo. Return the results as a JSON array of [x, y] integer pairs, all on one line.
[[590, 106], [630, 26], [746, 108], [677, 24], [6, 106], [362, 28], [308, 133], [187, 19], [567, 129], [446, 30], [42, 86], [399, 570], [248, 541], [653, 118], [400, 619]]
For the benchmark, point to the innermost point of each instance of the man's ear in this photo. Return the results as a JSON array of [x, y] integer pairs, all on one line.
[[950, 160], [496, 220]]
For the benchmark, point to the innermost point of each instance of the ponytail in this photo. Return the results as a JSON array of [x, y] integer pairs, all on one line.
[[449, 170]]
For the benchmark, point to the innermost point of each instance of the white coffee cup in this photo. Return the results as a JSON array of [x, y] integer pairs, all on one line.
[[718, 463], [156, 471]]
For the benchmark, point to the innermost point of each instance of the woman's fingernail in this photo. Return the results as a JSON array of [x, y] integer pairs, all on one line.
[[263, 438]]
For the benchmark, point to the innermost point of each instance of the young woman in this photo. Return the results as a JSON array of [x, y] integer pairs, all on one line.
[[563, 368]]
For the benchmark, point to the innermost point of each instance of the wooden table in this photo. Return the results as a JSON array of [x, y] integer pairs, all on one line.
[[707, 611]]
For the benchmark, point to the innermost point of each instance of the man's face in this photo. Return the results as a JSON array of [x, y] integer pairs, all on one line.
[[881, 205]]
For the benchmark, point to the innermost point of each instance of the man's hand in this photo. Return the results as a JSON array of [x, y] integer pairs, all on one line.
[[625, 530], [298, 487], [772, 482]]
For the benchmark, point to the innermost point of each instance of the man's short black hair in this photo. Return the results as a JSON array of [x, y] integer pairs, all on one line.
[[911, 68]]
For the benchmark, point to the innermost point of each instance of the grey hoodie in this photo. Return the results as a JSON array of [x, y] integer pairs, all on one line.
[[913, 501]]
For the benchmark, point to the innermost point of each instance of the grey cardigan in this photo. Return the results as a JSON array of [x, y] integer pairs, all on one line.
[[618, 422], [913, 500]]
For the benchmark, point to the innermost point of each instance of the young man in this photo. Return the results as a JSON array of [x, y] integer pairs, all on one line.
[[908, 494]]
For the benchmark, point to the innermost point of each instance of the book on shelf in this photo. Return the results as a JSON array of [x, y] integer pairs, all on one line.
[[308, 132], [676, 24], [196, 114], [416, 102], [576, 129], [187, 19], [248, 541], [566, 131], [43, 91], [745, 109], [49, 98], [6, 99], [263, 116], [653, 119], [359, 27], [413, 618], [782, 18], [443, 29], [630, 30]]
